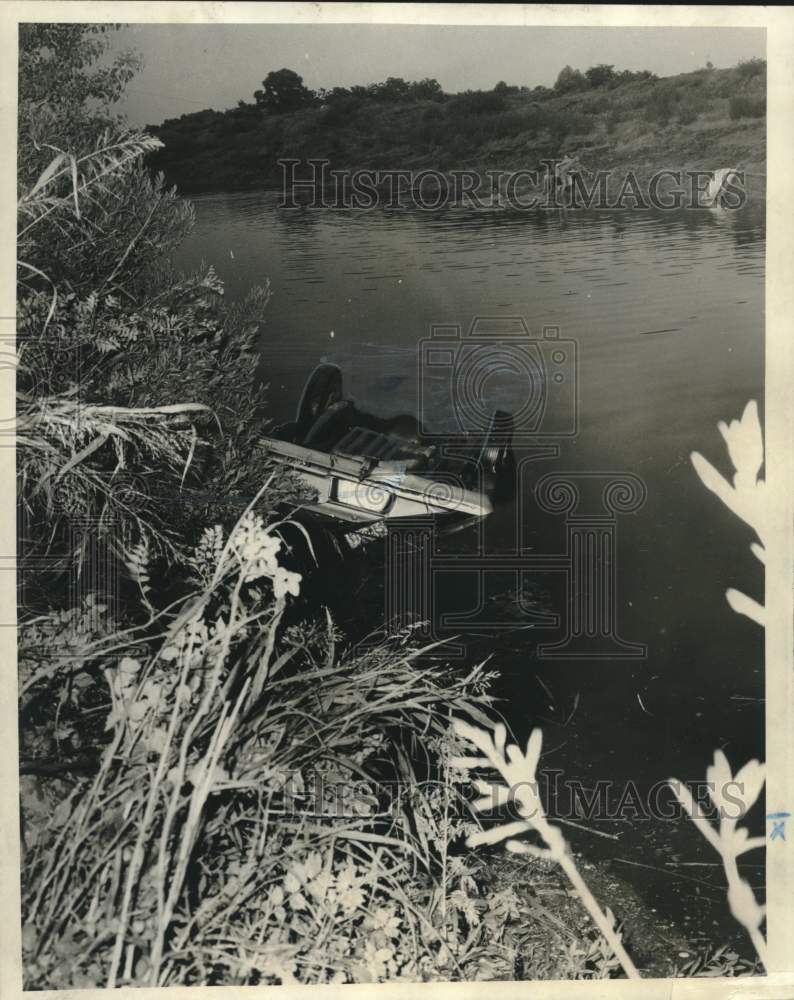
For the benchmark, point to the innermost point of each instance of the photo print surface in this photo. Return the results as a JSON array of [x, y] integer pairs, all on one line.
[[392, 508]]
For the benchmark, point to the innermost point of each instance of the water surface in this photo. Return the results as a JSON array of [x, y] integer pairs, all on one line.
[[667, 313]]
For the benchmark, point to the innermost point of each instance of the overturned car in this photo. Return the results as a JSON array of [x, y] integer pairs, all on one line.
[[367, 472]]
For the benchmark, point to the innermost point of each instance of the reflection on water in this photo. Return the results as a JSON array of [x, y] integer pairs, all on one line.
[[690, 280], [667, 314]]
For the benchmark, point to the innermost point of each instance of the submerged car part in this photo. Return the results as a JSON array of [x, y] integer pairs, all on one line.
[[366, 476]]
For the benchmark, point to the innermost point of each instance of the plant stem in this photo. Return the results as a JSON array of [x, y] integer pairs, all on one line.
[[758, 943], [568, 865], [735, 880]]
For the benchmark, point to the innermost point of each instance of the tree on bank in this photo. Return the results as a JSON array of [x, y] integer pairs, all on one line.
[[283, 91], [600, 75], [570, 80]]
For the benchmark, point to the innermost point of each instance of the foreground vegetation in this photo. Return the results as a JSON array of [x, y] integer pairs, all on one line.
[[208, 777], [609, 119], [215, 790]]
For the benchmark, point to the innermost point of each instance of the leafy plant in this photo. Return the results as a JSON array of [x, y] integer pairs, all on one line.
[[224, 745], [728, 840], [517, 771], [746, 496], [722, 961]]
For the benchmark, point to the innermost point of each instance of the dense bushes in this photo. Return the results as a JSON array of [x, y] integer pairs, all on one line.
[[283, 91], [661, 103], [603, 75], [416, 125], [390, 91], [688, 111], [744, 106], [671, 102], [749, 69], [476, 102], [598, 76], [690, 95]]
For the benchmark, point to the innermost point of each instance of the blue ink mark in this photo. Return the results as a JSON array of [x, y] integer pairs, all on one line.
[[778, 825]]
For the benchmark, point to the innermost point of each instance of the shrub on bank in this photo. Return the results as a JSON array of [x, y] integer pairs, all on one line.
[[744, 106], [688, 111], [661, 103], [749, 69], [472, 103]]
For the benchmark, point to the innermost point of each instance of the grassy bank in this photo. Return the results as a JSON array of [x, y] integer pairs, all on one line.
[[699, 120]]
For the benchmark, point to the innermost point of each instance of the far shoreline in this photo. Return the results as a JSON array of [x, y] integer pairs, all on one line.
[[705, 120]]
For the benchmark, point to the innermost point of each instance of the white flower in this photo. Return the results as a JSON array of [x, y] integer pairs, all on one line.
[[745, 445], [733, 796], [746, 496], [285, 582], [255, 547]]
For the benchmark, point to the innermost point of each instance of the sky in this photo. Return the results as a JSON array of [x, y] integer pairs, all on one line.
[[191, 67]]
